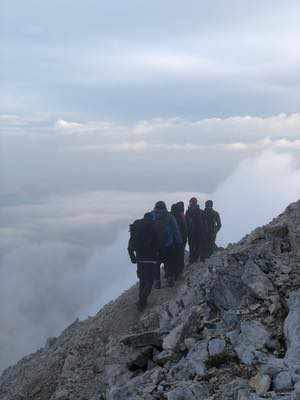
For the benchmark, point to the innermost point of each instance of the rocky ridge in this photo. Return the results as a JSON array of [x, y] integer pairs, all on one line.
[[230, 329]]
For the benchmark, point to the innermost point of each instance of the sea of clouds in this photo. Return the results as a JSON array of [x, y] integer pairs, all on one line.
[[70, 189]]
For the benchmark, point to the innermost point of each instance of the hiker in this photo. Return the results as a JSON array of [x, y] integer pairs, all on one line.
[[212, 226], [195, 226], [169, 240], [177, 210], [143, 250]]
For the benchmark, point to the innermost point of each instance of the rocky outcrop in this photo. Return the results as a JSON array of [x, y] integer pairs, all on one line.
[[229, 329]]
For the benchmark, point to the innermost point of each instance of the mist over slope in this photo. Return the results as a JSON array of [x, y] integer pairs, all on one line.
[[228, 329], [65, 256]]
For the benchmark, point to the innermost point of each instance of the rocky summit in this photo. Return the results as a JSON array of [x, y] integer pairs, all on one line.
[[229, 329]]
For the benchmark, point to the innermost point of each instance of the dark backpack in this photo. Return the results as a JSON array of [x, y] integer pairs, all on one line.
[[163, 232], [143, 237]]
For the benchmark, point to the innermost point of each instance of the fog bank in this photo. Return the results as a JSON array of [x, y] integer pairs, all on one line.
[[65, 257]]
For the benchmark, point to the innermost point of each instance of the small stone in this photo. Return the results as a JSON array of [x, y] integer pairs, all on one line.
[[233, 336], [283, 381], [61, 394], [172, 340], [188, 391], [257, 281], [254, 336], [166, 356], [297, 391], [292, 330], [150, 338], [189, 343], [286, 269], [296, 377], [216, 346], [270, 365], [231, 319], [260, 383], [243, 394]]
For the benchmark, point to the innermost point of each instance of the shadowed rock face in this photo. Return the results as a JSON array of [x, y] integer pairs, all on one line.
[[229, 329]]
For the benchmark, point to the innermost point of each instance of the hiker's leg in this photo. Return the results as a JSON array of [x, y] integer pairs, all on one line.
[[156, 275]]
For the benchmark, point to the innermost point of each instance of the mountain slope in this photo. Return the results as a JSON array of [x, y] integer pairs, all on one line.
[[229, 329]]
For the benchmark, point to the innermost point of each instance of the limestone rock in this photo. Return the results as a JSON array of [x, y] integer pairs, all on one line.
[[243, 394], [166, 356], [216, 346], [189, 343], [270, 365], [292, 330], [148, 338], [283, 381], [254, 336], [257, 281], [197, 357], [173, 339], [297, 391], [261, 384], [189, 391]]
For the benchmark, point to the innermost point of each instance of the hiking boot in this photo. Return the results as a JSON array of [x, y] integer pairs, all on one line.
[[157, 285]]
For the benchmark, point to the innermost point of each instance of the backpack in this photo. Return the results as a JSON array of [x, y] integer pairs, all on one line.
[[164, 232], [142, 237]]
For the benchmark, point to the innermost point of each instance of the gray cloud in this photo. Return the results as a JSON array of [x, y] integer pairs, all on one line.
[[66, 256], [61, 259], [134, 60], [66, 154]]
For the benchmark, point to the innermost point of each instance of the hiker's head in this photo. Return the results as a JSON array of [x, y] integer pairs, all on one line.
[[193, 202], [180, 206], [160, 206], [174, 208], [209, 204]]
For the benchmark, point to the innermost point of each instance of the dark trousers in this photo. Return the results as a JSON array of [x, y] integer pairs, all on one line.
[[197, 249], [181, 254], [156, 271], [170, 262], [178, 260], [209, 246], [145, 273]]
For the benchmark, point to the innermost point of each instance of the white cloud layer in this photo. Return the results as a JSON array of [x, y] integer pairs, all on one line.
[[64, 154], [66, 256], [65, 125]]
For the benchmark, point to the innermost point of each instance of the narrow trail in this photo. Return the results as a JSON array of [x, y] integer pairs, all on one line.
[[121, 317]]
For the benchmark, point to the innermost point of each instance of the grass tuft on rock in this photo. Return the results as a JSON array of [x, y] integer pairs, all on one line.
[[221, 359]]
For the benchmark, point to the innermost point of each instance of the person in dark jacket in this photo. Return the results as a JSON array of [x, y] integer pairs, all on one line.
[[212, 226], [195, 227], [177, 210], [143, 249], [181, 221], [169, 240]]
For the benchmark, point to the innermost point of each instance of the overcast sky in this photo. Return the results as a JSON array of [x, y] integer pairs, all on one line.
[[107, 107], [136, 59]]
